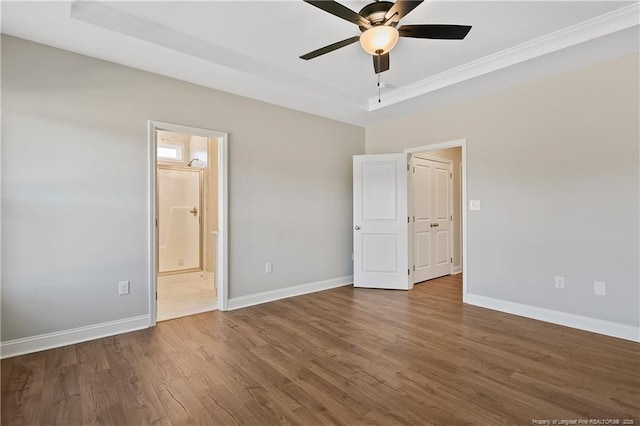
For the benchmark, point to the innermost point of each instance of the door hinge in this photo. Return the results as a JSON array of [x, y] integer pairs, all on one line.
[[156, 223], [452, 260], [408, 219], [156, 295], [414, 267], [451, 217], [414, 170], [407, 167], [450, 175], [414, 218], [408, 271]]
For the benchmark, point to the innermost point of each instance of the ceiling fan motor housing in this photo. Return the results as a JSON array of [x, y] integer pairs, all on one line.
[[377, 22], [375, 13]]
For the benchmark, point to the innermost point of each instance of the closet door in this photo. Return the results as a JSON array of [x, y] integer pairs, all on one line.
[[441, 213], [431, 219]]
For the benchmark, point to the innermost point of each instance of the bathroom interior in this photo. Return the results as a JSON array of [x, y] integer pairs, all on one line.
[[187, 207]]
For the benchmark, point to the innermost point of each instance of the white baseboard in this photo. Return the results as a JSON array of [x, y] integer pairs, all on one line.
[[270, 296], [608, 328], [456, 270], [42, 342]]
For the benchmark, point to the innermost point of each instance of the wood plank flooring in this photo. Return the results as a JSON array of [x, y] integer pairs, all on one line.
[[342, 356]]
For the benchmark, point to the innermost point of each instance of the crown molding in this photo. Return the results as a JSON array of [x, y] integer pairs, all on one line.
[[608, 23]]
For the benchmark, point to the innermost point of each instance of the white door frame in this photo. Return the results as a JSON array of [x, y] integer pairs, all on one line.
[[444, 145], [222, 263], [449, 202]]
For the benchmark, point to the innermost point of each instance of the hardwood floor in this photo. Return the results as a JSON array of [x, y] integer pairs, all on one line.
[[342, 356]]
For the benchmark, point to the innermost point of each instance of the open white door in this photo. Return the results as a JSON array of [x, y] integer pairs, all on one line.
[[380, 228]]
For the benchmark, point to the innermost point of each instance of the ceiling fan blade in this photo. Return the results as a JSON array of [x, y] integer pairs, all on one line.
[[330, 48], [402, 8], [380, 63], [340, 11], [435, 31]]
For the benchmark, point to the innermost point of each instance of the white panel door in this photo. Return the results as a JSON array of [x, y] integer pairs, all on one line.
[[431, 219], [442, 219], [422, 185], [380, 233]]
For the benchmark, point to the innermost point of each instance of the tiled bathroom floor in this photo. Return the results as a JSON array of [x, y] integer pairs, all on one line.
[[185, 294]]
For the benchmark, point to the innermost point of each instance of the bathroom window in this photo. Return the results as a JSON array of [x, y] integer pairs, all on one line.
[[170, 152]]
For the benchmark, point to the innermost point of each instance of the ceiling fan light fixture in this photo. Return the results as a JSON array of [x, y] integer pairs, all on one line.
[[379, 40]]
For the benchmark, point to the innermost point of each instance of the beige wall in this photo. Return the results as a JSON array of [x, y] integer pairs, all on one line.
[[75, 190], [455, 155], [555, 164]]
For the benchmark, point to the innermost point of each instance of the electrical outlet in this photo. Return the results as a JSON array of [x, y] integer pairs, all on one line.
[[599, 288], [268, 268], [560, 283], [181, 262], [123, 288]]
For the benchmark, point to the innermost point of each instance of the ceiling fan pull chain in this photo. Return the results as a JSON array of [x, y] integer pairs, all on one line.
[[379, 86]]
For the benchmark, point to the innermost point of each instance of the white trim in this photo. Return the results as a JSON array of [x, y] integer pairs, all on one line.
[[222, 284], [57, 339], [153, 261], [608, 328], [599, 26], [451, 231], [298, 290], [462, 143], [222, 251], [456, 270]]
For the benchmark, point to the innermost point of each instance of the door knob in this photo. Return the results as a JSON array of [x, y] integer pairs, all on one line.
[[356, 227], [194, 211]]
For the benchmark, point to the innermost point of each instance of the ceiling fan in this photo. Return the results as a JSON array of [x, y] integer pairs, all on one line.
[[377, 22]]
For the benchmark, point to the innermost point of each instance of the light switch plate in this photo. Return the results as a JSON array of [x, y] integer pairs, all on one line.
[[599, 288], [123, 288], [474, 205]]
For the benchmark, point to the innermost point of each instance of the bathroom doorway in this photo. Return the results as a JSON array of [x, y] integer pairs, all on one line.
[[186, 200]]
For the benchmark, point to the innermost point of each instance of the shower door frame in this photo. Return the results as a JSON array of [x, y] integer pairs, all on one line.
[[200, 172], [222, 243]]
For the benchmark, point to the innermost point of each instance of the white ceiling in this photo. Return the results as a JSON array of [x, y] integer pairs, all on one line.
[[251, 48]]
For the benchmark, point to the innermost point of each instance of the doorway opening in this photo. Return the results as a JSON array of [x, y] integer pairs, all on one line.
[[188, 248], [437, 228]]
